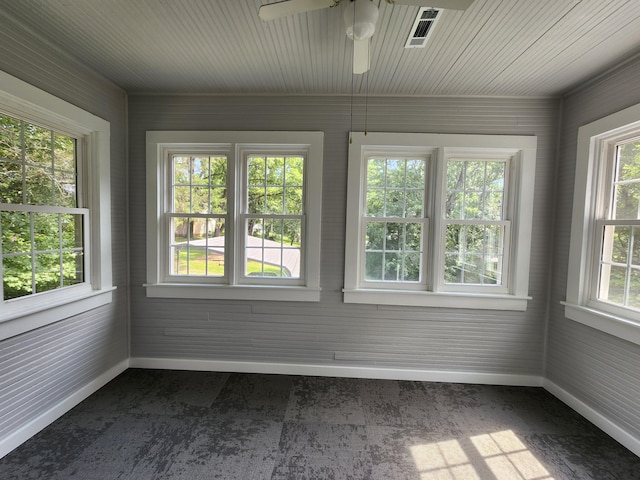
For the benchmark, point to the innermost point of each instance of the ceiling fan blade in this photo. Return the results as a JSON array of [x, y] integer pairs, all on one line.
[[446, 4], [271, 11], [361, 56]]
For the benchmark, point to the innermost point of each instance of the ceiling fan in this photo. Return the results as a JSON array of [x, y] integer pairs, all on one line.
[[360, 18]]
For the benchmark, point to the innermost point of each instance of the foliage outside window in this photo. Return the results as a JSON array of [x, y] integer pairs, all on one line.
[[603, 282], [432, 220], [237, 213], [42, 240]]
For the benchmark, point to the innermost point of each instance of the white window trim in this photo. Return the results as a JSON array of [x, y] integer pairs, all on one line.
[[579, 306], [20, 315], [158, 142], [438, 146]]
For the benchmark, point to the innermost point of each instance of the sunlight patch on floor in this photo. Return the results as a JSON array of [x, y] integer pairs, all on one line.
[[501, 455]]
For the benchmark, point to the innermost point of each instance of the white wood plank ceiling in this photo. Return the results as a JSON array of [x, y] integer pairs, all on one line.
[[496, 47]]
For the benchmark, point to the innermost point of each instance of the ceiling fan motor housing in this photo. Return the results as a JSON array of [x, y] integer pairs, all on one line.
[[360, 17]]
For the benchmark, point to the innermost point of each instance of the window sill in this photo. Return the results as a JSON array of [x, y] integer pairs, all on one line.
[[45, 313], [615, 325], [232, 292], [439, 299]]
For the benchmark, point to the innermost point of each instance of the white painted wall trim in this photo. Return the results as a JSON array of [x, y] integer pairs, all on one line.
[[20, 436], [595, 417], [337, 371]]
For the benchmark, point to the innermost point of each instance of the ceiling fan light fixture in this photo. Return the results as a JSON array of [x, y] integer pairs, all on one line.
[[360, 19]]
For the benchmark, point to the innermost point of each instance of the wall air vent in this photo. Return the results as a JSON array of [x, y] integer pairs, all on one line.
[[422, 27]]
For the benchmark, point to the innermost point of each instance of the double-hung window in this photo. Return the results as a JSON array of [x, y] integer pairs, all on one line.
[[603, 288], [234, 214], [439, 220], [55, 229]]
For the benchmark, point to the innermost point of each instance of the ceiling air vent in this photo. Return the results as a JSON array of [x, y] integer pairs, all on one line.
[[422, 27]]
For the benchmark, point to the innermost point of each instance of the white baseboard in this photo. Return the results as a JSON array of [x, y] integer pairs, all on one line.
[[337, 371], [595, 417], [20, 436]]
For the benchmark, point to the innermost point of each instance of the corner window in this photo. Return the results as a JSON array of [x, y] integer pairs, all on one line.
[[235, 214], [54, 209], [604, 273], [439, 220]]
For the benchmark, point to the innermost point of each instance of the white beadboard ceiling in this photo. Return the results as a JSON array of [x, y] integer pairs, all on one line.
[[496, 47]]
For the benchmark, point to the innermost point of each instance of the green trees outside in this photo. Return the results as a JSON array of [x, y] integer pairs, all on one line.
[[41, 250]]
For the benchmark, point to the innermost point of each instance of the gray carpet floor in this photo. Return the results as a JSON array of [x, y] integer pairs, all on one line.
[[149, 424]]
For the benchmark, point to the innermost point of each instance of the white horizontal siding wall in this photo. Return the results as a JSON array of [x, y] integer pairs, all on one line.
[[599, 370], [42, 369], [331, 333]]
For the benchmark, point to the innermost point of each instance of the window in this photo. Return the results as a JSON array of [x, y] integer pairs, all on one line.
[[234, 214], [439, 220], [54, 209], [603, 288], [40, 217]]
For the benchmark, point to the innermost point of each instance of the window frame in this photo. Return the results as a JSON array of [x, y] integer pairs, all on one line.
[[592, 185], [441, 146], [238, 146], [26, 102]]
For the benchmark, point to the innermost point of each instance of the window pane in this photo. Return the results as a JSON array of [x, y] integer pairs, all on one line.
[[215, 250], [274, 200], [395, 203], [395, 187], [392, 267], [47, 271], [199, 184], [181, 168], [393, 251], [612, 283], [376, 173], [65, 191], [618, 282], [273, 248], [275, 171], [38, 186], [218, 200], [293, 201], [475, 190], [16, 276], [414, 203], [38, 145], [10, 182], [200, 171], [373, 261], [628, 167], [395, 173], [374, 239], [46, 231], [200, 199], [64, 153], [218, 167], [16, 232], [375, 203], [474, 254], [72, 268], [10, 138], [626, 202], [294, 171]]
